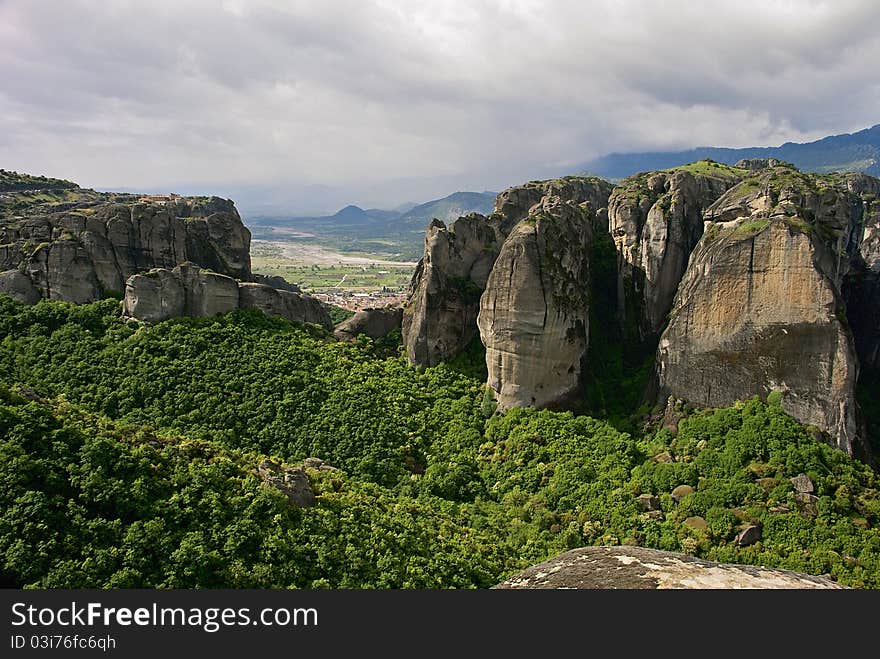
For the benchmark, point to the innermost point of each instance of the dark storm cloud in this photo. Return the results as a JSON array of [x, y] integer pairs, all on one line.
[[392, 98]]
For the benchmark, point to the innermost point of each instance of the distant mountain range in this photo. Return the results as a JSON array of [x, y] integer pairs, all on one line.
[[850, 152], [397, 233]]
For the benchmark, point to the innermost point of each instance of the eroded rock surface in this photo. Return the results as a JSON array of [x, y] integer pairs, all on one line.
[[87, 251], [761, 309], [440, 315], [19, 287], [188, 290], [534, 314], [375, 323], [640, 568], [293, 482], [656, 220]]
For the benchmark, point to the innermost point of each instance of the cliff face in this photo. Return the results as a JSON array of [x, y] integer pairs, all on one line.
[[440, 315], [187, 290], [761, 307], [863, 283], [656, 220], [439, 318], [79, 255], [534, 315]]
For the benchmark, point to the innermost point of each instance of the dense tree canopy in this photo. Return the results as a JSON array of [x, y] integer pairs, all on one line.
[[128, 457]]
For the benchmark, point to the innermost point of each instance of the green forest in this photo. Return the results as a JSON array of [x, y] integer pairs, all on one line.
[[129, 458]]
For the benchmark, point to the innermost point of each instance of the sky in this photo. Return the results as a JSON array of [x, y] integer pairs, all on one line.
[[305, 106]]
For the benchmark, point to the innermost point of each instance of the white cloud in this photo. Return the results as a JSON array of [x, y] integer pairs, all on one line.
[[358, 94]]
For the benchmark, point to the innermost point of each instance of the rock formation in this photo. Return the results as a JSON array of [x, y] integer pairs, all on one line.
[[761, 309], [640, 568], [754, 164], [656, 220], [439, 318], [534, 314], [863, 281], [375, 323], [293, 482], [80, 255], [188, 290], [19, 287]]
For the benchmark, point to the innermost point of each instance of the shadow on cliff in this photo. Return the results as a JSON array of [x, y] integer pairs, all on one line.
[[619, 365]]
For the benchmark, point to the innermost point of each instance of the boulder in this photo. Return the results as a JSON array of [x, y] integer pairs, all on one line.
[[375, 323], [291, 481], [648, 502], [696, 523], [749, 535], [188, 290], [681, 492], [807, 503], [640, 568], [803, 483], [18, 286]]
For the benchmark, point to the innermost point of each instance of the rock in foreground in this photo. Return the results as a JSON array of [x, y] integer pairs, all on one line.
[[652, 569]]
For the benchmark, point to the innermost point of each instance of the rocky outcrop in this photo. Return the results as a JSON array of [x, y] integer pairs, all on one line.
[[761, 309], [439, 318], [84, 253], [656, 220], [188, 290], [297, 307], [862, 286], [293, 482], [754, 164], [274, 281], [640, 568], [374, 323], [534, 315], [19, 287]]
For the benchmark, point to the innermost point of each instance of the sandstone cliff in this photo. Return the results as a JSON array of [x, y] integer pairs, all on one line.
[[439, 318], [90, 250], [656, 220], [862, 287], [440, 314], [761, 308], [188, 290], [534, 314]]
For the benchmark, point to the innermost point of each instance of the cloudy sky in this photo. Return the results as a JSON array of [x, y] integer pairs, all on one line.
[[314, 104]]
